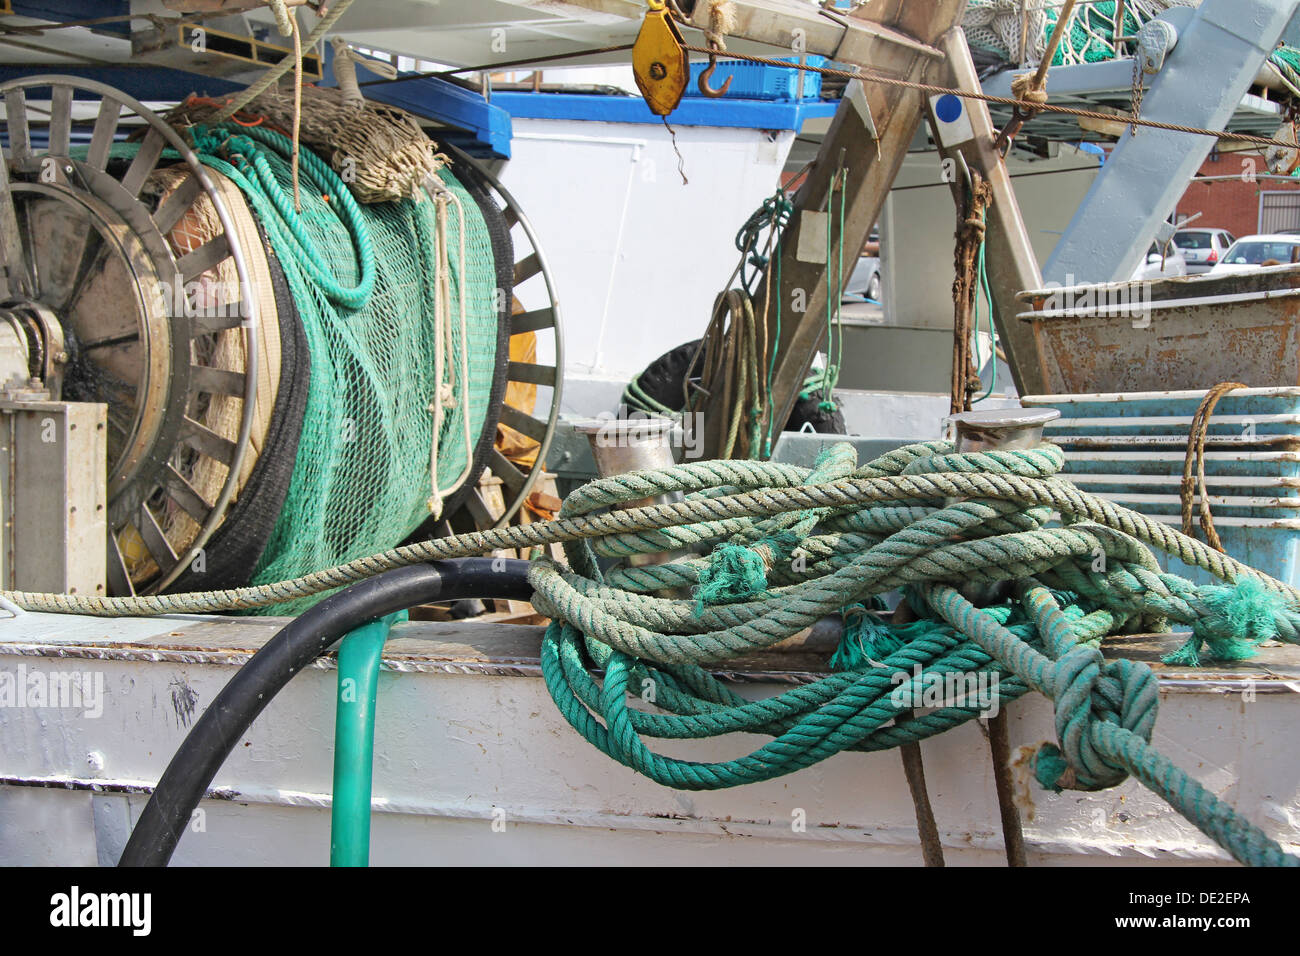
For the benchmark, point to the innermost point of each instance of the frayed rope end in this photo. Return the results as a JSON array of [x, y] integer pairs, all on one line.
[[1241, 617], [734, 573], [864, 640]]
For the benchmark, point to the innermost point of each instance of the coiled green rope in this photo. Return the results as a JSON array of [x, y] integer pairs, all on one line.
[[772, 216], [923, 518], [1039, 638], [237, 152]]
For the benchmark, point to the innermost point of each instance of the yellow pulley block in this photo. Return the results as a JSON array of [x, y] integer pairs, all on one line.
[[659, 63]]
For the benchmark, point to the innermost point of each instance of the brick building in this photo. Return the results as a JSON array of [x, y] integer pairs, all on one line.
[[1238, 196]]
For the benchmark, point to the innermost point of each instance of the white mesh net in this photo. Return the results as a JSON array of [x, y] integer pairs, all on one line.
[[1016, 31]]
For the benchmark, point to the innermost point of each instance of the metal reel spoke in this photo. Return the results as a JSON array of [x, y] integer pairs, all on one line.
[[20, 137], [12, 251], [155, 540], [93, 254], [95, 233], [119, 580], [60, 129], [101, 139], [537, 423]]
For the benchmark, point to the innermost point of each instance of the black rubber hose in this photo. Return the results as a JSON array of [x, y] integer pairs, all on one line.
[[218, 731]]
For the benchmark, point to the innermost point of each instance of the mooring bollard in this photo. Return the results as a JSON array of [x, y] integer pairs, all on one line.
[[621, 445]]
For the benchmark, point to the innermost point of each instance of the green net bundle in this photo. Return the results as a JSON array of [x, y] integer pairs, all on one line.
[[997, 26], [363, 279], [1015, 32]]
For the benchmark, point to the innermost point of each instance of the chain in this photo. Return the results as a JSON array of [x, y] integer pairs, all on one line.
[[1135, 99]]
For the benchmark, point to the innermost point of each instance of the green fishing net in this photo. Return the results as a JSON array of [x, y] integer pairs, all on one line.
[[361, 482]]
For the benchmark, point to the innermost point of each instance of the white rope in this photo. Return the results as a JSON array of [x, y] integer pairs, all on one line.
[[464, 341], [437, 406], [446, 397], [297, 102], [283, 18]]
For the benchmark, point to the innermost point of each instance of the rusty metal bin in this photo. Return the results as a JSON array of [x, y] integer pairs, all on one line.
[[1186, 332]]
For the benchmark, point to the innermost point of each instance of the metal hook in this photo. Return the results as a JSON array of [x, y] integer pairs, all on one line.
[[704, 80]]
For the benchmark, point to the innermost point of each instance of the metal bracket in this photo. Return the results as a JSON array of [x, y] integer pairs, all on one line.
[[855, 93], [53, 513], [1155, 41]]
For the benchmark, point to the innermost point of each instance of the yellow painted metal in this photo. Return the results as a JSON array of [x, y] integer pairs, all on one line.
[[659, 63]]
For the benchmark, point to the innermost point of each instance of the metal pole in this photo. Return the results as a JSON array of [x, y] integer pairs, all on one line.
[[981, 431], [1216, 58]]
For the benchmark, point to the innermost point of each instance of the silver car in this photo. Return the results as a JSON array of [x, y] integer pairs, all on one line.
[[864, 283], [1257, 252], [1203, 248], [1160, 264]]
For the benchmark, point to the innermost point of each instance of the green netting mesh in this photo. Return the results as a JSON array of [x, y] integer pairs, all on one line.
[[1090, 37], [1003, 27], [361, 481]]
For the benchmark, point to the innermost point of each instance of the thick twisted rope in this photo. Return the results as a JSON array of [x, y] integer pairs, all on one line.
[[736, 489], [653, 647], [925, 519], [1194, 461], [966, 254]]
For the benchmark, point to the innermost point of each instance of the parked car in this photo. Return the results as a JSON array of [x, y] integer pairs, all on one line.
[[1160, 266], [1202, 248], [864, 283], [1253, 252]]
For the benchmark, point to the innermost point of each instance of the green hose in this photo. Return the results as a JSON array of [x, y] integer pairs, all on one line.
[[354, 740]]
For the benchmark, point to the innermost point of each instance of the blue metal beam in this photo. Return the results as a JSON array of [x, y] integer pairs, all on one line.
[[453, 105], [485, 126], [1219, 53], [143, 82], [61, 11]]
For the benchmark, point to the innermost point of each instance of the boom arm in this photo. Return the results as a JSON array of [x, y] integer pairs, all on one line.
[[914, 40]]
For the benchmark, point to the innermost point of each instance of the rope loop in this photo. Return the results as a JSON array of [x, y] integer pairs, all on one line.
[[1088, 689], [238, 152]]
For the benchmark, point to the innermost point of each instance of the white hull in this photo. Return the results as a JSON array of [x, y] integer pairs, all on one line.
[[467, 736]]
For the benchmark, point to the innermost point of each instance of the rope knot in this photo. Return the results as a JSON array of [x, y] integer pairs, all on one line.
[[738, 572], [1091, 696], [1024, 87]]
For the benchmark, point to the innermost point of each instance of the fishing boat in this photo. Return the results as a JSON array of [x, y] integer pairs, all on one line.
[[455, 434]]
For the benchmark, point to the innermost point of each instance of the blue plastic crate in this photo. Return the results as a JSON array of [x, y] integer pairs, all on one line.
[[1130, 447], [1253, 417], [758, 81]]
